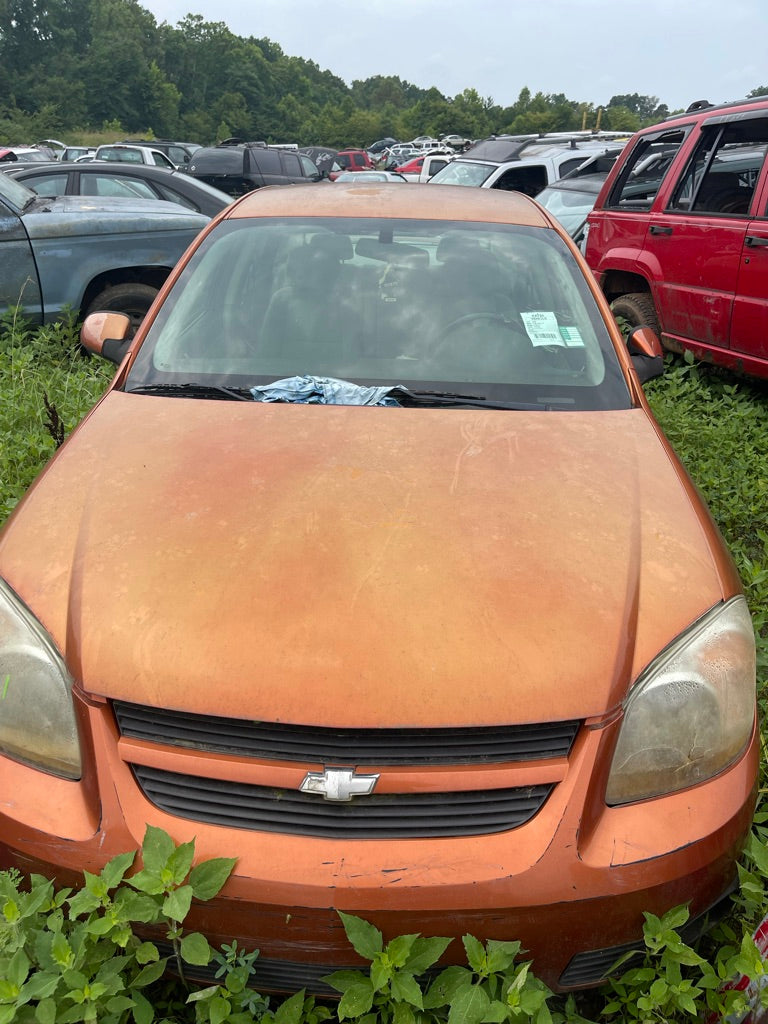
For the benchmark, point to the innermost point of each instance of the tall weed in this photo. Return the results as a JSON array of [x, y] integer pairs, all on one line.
[[47, 384]]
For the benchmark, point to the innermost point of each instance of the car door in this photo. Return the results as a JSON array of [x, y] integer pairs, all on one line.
[[19, 283], [749, 324], [698, 239]]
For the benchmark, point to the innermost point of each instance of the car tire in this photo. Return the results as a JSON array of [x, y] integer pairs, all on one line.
[[637, 309], [132, 298]]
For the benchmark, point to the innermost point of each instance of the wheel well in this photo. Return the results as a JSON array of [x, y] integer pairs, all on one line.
[[154, 276], [619, 282]]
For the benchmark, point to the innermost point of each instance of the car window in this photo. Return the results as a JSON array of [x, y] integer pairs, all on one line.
[[501, 310], [569, 206], [267, 161], [528, 179], [161, 160], [310, 169], [129, 156], [178, 155], [48, 184], [722, 173], [463, 173], [291, 164], [176, 197], [645, 169], [115, 186], [570, 165]]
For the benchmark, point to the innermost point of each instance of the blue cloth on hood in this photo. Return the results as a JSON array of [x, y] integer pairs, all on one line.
[[323, 391]]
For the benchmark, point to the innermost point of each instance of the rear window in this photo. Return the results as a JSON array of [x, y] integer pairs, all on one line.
[[218, 161]]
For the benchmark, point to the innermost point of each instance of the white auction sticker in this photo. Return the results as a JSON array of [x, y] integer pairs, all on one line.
[[543, 329]]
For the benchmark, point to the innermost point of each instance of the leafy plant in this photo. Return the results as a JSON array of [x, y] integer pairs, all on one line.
[[67, 957], [675, 983]]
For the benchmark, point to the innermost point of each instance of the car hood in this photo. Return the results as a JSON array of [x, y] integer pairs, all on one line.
[[362, 566], [52, 217]]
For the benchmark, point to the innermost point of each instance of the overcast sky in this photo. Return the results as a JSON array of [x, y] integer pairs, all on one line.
[[590, 50]]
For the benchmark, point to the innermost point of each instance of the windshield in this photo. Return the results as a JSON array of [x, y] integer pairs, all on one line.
[[569, 206], [14, 193], [420, 304], [461, 172]]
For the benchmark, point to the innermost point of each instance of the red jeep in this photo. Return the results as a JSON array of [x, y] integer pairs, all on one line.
[[352, 160], [678, 238]]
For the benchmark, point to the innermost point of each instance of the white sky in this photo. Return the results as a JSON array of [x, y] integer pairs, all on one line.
[[590, 50]]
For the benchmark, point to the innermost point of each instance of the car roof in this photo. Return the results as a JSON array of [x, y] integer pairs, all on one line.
[[702, 109], [516, 147], [380, 199]]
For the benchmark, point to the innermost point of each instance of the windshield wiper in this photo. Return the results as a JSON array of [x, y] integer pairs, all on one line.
[[193, 390], [407, 397]]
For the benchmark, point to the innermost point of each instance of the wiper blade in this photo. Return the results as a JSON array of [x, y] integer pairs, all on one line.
[[407, 397], [193, 390]]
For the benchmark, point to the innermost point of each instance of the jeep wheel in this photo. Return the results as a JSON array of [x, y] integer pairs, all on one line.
[[637, 310], [133, 299]]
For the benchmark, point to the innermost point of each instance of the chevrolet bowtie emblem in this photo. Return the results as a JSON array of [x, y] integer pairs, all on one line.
[[340, 784]]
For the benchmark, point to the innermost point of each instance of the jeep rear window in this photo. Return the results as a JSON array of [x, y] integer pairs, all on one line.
[[645, 169]]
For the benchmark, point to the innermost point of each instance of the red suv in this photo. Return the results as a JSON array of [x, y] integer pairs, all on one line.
[[678, 238]]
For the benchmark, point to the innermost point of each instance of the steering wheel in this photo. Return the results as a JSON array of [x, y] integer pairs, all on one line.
[[496, 318]]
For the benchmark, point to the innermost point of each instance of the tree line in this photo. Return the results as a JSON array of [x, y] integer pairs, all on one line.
[[69, 67]]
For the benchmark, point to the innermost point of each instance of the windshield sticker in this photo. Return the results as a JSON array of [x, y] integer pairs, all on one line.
[[543, 329], [572, 337]]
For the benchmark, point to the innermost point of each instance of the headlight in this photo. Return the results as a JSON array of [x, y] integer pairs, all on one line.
[[691, 713], [37, 718]]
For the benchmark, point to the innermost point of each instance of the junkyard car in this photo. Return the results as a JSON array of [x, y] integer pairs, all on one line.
[[570, 199], [525, 163], [373, 569], [121, 180], [77, 254], [678, 237]]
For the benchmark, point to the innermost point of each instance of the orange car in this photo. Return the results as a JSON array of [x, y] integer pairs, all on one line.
[[373, 569]]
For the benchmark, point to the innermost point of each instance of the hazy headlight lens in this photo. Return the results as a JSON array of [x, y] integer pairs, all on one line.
[[37, 719], [692, 712]]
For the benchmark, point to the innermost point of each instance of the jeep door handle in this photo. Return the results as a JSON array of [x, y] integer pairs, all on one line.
[[657, 229], [754, 240]]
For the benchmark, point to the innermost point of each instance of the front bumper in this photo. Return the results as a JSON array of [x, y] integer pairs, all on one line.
[[573, 880]]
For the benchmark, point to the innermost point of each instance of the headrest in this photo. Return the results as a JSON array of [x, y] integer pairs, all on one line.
[[335, 247]]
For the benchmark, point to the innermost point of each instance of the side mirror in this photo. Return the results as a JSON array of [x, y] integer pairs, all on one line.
[[646, 353], [107, 335]]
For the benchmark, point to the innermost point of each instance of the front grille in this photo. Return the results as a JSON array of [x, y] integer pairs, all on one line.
[[311, 745], [279, 976], [379, 816], [594, 966]]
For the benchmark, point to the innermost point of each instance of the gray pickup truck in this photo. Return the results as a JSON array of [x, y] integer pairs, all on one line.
[[83, 254]]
